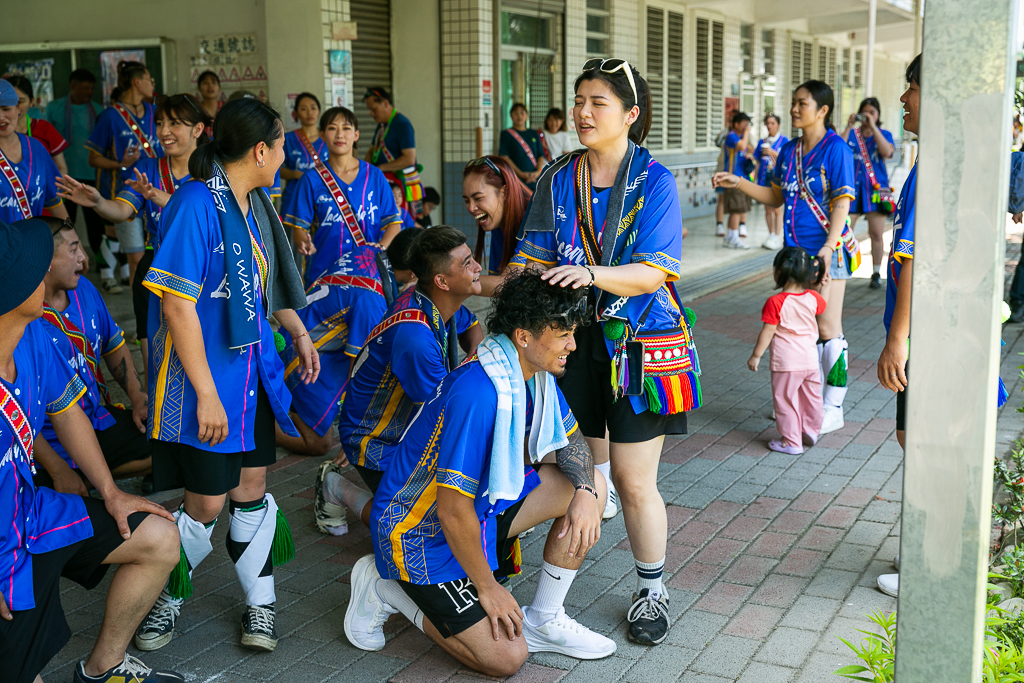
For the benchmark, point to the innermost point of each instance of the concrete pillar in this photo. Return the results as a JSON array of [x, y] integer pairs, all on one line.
[[966, 98], [294, 49], [869, 58]]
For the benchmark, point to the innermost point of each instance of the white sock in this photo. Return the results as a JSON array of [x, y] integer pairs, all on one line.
[[552, 587], [332, 488], [877, 269], [649, 575], [719, 224], [255, 571], [743, 226], [354, 496], [392, 593], [733, 234], [605, 468]]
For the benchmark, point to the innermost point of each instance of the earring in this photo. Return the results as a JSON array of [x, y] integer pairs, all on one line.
[[258, 164]]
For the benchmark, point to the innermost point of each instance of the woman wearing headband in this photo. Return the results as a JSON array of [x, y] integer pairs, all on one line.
[[497, 201], [618, 229]]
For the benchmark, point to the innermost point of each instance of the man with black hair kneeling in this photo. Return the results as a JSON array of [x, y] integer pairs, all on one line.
[[459, 490]]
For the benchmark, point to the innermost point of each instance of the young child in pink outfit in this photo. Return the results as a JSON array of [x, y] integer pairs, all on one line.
[[791, 328]]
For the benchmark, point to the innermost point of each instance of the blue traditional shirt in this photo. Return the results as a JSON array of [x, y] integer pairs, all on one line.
[[735, 158], [863, 203], [312, 208], [448, 445], [149, 209], [828, 172], [399, 135], [111, 137], [38, 175], [403, 364], [191, 264], [509, 147], [298, 158], [89, 313], [902, 243], [35, 521], [497, 251], [765, 163], [339, 318]]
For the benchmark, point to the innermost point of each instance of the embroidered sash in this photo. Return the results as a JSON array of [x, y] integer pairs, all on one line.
[[378, 141], [592, 240], [301, 136], [15, 416], [544, 145], [80, 342], [866, 158], [848, 247], [16, 185], [131, 122], [349, 281], [522, 143], [343, 206]]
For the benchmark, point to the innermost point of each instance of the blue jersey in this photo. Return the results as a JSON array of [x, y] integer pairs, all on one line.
[[38, 175], [509, 146], [35, 521], [864, 190], [828, 172], [735, 157], [111, 137], [91, 401], [765, 164], [298, 158], [448, 445], [902, 243], [312, 207], [497, 251], [407, 220], [400, 135], [89, 313], [191, 264], [403, 364], [658, 227], [339, 318], [149, 209]]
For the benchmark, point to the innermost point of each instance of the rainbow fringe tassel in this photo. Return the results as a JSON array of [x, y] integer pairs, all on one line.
[[673, 394]]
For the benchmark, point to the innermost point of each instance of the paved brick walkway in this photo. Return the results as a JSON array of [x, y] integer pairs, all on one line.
[[771, 557]]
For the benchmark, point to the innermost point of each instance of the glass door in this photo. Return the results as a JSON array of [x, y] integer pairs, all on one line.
[[527, 64]]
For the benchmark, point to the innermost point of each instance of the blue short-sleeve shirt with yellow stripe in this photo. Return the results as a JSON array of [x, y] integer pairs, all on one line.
[[902, 243], [448, 445]]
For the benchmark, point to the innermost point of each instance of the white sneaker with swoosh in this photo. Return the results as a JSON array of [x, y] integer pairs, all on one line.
[[366, 612], [566, 636]]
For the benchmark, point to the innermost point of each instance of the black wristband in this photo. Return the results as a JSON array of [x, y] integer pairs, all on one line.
[[584, 487]]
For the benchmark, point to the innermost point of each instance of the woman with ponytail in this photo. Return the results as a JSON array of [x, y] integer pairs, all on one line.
[[124, 133], [814, 180], [497, 201], [223, 267], [607, 216]]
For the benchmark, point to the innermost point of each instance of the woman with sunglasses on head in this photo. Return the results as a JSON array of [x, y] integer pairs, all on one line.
[[341, 202], [181, 125], [766, 153], [871, 145], [633, 375], [124, 132], [303, 147], [813, 181], [497, 201]]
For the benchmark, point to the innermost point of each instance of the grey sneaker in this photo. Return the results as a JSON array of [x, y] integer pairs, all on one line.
[[648, 618], [157, 629], [330, 518], [132, 669], [110, 286], [258, 629]]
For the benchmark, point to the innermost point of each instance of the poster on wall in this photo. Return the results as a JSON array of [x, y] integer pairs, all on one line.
[[290, 120], [108, 68], [40, 75], [341, 62], [339, 92], [732, 105], [233, 44]]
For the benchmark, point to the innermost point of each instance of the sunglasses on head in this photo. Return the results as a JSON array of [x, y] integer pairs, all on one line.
[[610, 66], [66, 224], [575, 314], [485, 160]]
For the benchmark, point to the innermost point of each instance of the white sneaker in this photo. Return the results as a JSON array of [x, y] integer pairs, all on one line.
[[720, 230], [887, 583], [566, 636], [366, 612], [611, 506], [896, 561], [736, 243], [743, 229], [833, 420], [772, 242]]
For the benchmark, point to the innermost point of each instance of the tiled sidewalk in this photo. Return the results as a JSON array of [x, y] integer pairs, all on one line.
[[771, 557]]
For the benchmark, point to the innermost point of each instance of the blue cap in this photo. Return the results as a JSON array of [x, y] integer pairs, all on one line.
[[8, 95], [26, 249]]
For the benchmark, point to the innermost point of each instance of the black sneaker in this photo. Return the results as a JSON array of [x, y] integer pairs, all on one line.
[[157, 629], [648, 618], [131, 670], [1016, 314], [876, 281], [258, 630]]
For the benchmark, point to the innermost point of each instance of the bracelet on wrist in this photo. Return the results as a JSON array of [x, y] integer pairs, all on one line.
[[584, 487], [300, 336], [593, 278]]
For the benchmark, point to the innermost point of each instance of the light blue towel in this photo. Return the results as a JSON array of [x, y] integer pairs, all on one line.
[[500, 360]]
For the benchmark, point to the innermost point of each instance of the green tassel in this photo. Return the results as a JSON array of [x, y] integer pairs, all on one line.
[[283, 548], [653, 402], [690, 316], [614, 329], [837, 375], [279, 342], [179, 583]]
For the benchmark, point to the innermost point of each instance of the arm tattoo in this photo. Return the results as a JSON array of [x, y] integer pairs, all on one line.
[[120, 373], [576, 461]]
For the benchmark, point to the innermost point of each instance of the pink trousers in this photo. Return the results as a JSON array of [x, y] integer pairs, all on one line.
[[798, 404]]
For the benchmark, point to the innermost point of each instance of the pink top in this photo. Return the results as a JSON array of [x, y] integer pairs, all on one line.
[[794, 344]]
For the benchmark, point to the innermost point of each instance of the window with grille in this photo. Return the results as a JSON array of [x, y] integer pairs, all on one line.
[[845, 67], [665, 77], [598, 28], [801, 62], [710, 70], [857, 64], [768, 51], [747, 48]]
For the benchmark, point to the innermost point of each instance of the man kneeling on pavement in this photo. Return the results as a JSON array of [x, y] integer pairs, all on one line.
[[494, 451], [46, 535]]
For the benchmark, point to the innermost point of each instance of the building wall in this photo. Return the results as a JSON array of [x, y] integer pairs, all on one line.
[[294, 63]]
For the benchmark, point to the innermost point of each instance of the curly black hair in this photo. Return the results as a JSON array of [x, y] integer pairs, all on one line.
[[526, 302]]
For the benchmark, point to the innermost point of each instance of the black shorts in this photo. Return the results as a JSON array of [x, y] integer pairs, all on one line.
[[140, 295], [454, 606], [370, 477], [214, 474], [901, 403], [587, 386], [35, 636]]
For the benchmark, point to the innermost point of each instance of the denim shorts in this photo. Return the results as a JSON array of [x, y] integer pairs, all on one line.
[[837, 272], [131, 235]]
